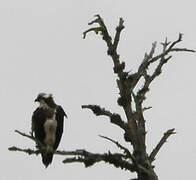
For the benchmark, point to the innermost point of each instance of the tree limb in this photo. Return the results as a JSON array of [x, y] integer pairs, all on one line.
[[126, 151], [86, 157], [160, 144], [26, 135], [30, 137], [119, 28], [81, 155], [28, 151], [114, 118], [90, 159], [149, 59]]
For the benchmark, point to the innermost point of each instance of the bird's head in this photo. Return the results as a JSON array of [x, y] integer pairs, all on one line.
[[45, 100]]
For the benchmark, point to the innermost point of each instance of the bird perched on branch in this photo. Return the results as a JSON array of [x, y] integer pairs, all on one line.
[[47, 126]]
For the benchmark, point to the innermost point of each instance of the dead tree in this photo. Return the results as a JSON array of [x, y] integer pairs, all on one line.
[[131, 100]]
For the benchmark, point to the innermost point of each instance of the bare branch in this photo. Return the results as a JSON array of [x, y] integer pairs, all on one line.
[[148, 59], [95, 29], [114, 118], [28, 151], [97, 110], [160, 144], [142, 92], [75, 159], [176, 42], [170, 49], [149, 56], [142, 71], [183, 50], [119, 28], [126, 151], [99, 21], [90, 159], [146, 108], [102, 28], [30, 137], [25, 135], [134, 78], [107, 38], [86, 157]]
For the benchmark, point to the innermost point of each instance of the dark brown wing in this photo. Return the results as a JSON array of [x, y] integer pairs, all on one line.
[[60, 123], [38, 120]]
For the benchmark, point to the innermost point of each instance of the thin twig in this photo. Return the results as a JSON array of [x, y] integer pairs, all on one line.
[[25, 135], [126, 151], [182, 50], [30, 137]]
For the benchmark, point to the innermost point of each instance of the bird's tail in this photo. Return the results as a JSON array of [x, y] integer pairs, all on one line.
[[47, 158]]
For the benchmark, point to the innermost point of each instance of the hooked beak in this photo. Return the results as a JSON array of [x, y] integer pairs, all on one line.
[[36, 100]]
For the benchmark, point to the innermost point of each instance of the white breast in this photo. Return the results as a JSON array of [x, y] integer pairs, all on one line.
[[50, 129]]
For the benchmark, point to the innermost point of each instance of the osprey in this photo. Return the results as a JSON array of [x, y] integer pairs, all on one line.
[[47, 126]]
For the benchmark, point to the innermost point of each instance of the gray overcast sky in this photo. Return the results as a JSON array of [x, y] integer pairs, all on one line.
[[42, 50]]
